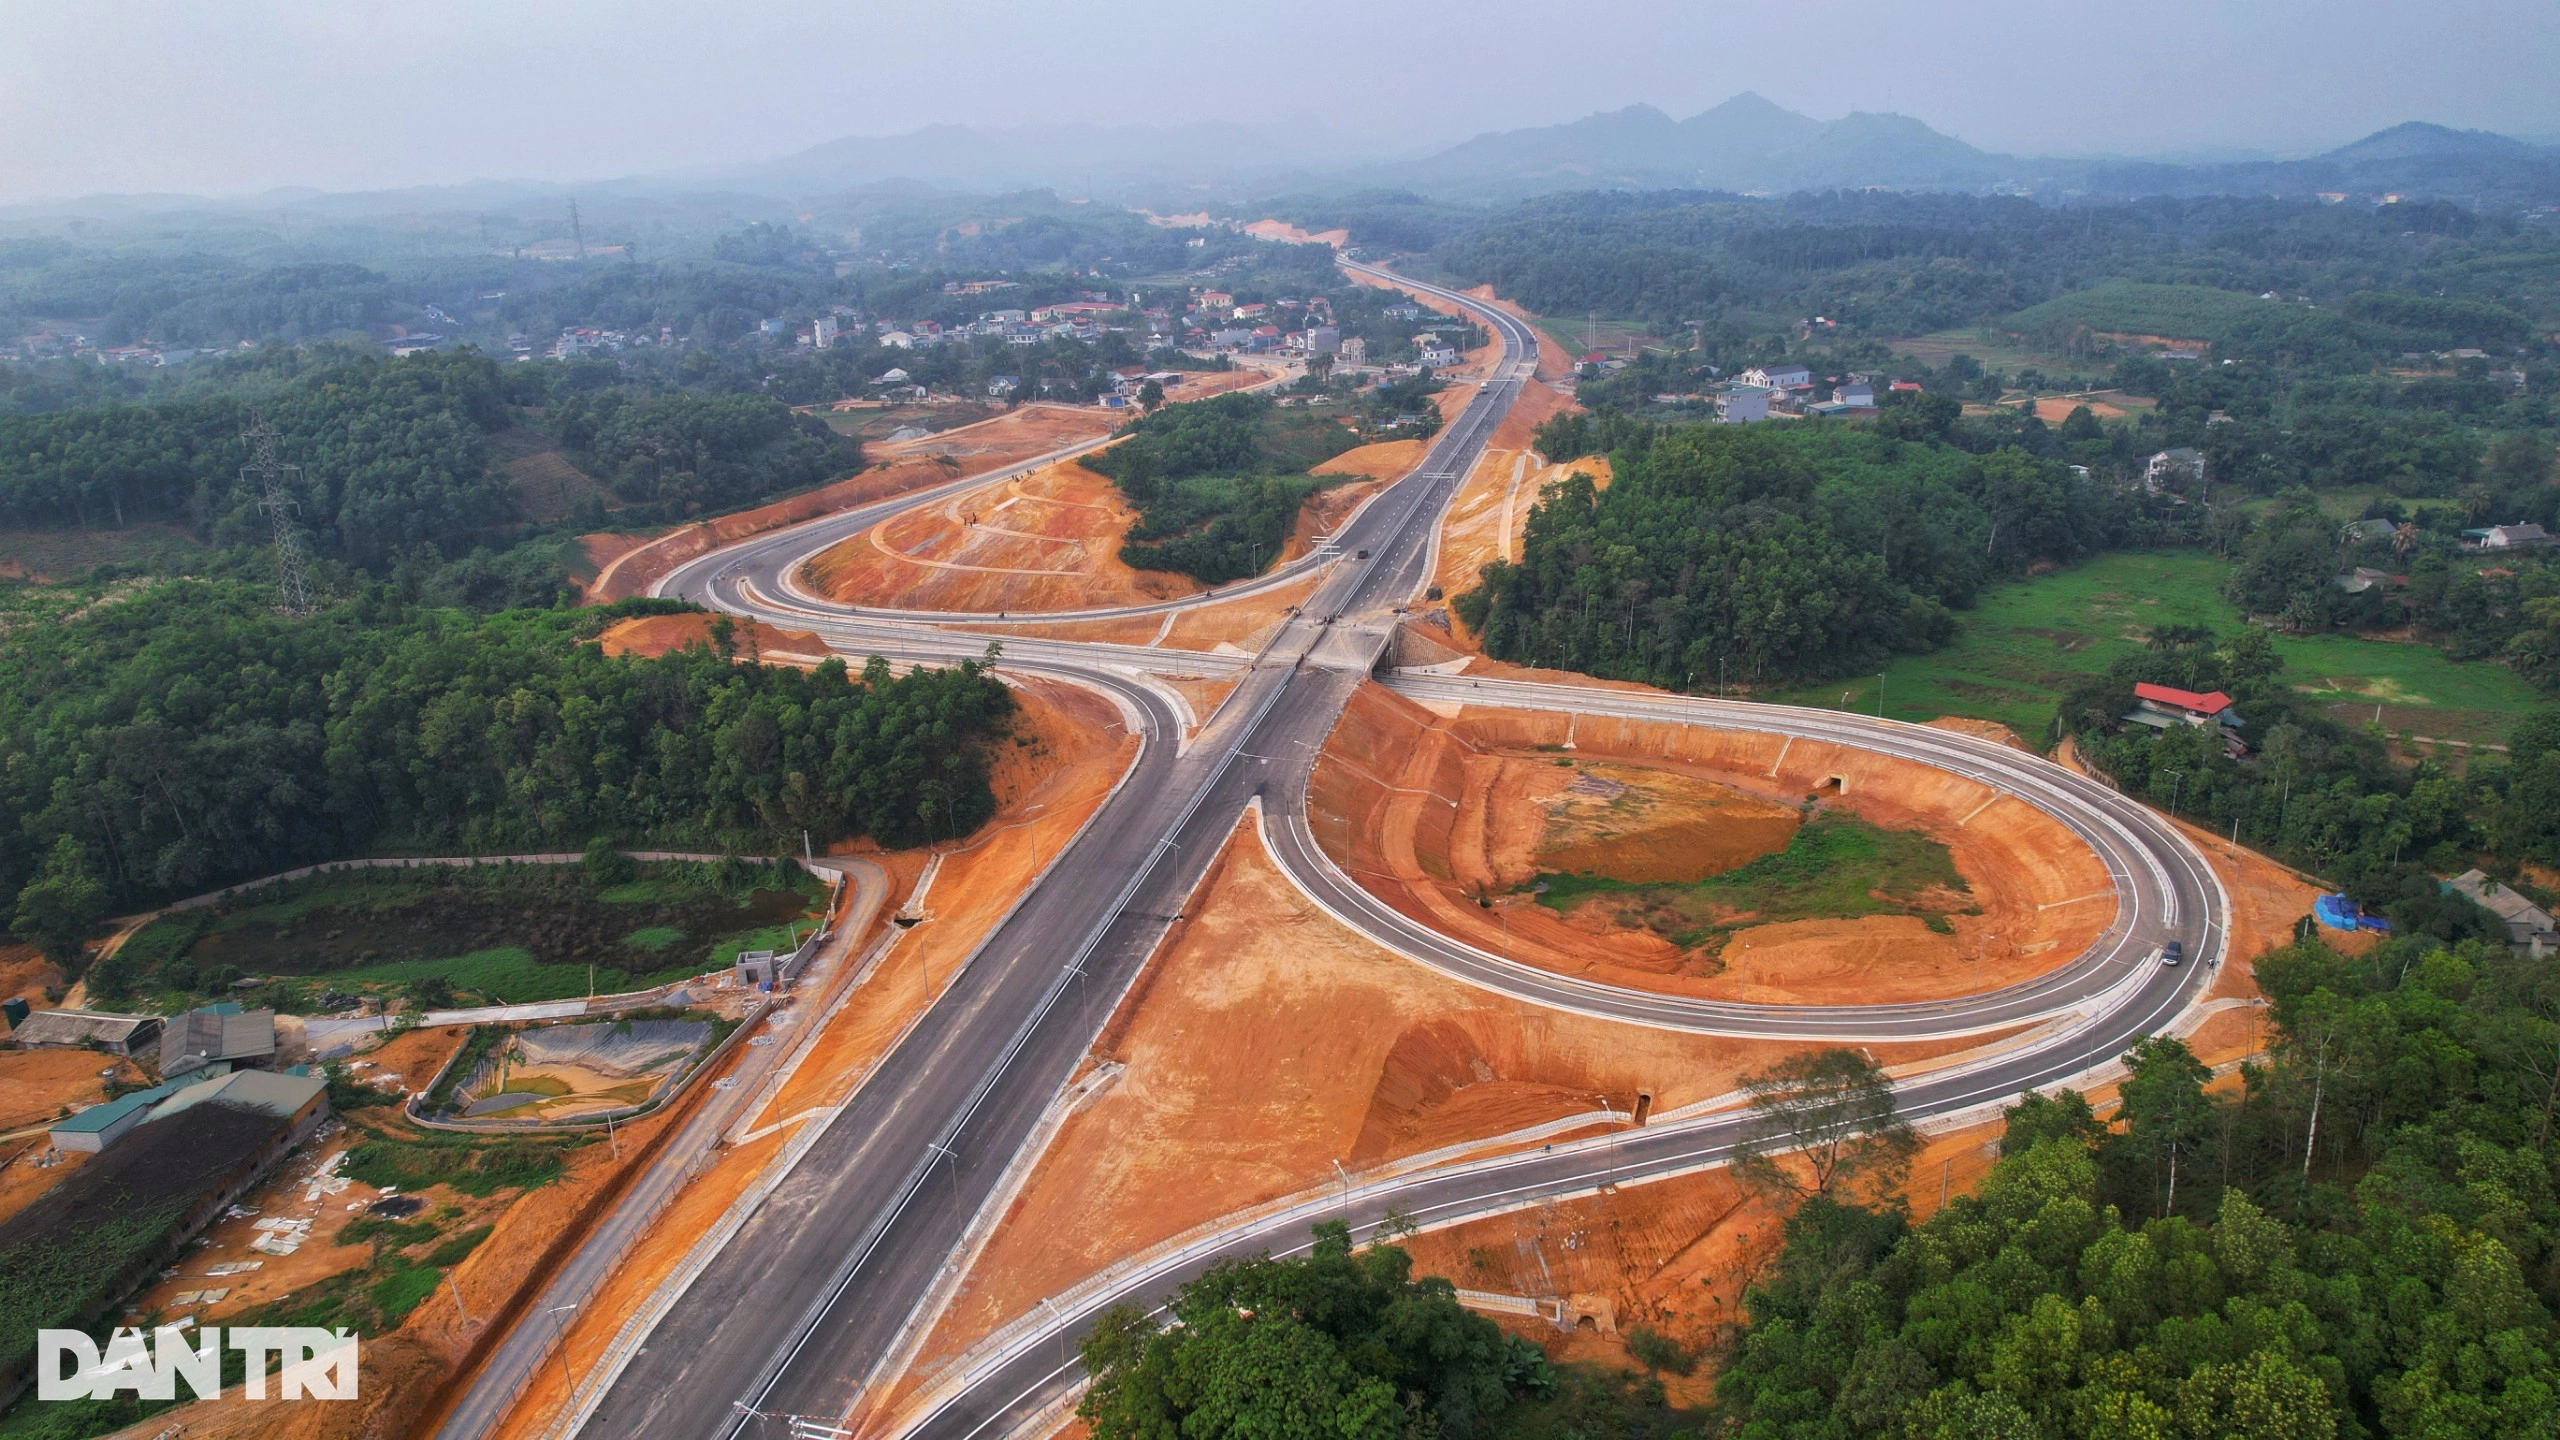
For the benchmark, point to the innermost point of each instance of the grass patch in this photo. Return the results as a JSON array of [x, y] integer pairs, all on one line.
[[2130, 307], [504, 934], [1837, 867], [452, 1252], [401, 1291], [468, 1165], [2017, 650]]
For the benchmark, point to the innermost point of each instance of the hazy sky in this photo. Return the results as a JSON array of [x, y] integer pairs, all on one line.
[[221, 96]]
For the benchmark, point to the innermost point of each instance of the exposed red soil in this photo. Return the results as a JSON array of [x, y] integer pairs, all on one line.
[[1264, 1043], [989, 445], [754, 640], [1045, 789], [1286, 233], [1427, 813]]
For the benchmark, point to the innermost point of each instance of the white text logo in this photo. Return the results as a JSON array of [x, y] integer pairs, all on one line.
[[317, 1364]]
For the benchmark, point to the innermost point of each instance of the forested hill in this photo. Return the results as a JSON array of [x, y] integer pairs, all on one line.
[[1218, 483], [1754, 555], [2361, 1240], [2379, 280], [394, 454], [172, 738]]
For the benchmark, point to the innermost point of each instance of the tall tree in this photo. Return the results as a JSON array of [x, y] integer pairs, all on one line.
[[1824, 1127]]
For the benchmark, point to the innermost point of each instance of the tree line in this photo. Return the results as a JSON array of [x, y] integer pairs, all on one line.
[[394, 454], [1218, 483], [2358, 1240], [184, 736], [2326, 796], [1729, 555]]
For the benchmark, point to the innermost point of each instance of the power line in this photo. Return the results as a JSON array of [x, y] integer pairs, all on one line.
[[293, 582]]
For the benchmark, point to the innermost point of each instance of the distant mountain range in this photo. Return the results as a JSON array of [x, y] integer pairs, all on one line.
[[1747, 144]]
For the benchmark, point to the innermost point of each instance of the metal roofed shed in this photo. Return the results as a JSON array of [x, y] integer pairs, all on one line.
[[78, 1029], [217, 1035], [101, 1125], [2528, 925], [297, 1098]]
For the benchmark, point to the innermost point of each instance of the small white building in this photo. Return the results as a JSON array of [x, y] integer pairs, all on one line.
[[822, 334], [2179, 464], [899, 340], [1436, 352], [1786, 377]]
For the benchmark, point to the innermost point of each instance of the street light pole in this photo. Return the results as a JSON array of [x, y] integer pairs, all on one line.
[[560, 1341]]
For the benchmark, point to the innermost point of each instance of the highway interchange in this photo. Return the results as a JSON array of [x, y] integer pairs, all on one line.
[[810, 1302]]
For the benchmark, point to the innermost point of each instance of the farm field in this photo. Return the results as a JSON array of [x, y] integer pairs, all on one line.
[[2003, 353], [1580, 337], [514, 935], [2017, 650]]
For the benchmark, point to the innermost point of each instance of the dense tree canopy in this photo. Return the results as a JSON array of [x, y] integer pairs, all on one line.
[[2214, 1265], [1339, 1345], [185, 736], [391, 454], [1746, 554], [1218, 482]]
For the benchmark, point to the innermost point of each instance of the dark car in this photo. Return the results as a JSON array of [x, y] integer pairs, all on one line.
[[2173, 952]]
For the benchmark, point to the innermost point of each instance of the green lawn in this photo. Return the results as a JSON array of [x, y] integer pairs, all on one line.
[[1581, 337], [2000, 352], [1836, 867], [2024, 642], [510, 975]]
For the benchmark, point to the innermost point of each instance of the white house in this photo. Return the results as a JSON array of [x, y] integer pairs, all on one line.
[[2514, 537], [899, 339], [822, 332], [891, 376], [2180, 462], [1790, 377], [1856, 396], [1436, 352]]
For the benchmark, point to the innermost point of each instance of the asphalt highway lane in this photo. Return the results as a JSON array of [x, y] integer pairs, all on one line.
[[798, 1312], [821, 1280]]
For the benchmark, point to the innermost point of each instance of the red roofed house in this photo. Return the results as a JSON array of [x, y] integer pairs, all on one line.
[[2161, 706]]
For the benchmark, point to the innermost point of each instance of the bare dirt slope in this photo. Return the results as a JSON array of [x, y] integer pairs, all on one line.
[[1434, 813], [630, 568], [1266, 1042]]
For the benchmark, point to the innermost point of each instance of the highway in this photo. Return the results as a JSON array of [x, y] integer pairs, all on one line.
[[822, 1281], [818, 1284]]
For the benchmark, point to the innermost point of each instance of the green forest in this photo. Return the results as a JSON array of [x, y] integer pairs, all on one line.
[[182, 734], [391, 455], [2359, 1240], [1218, 483], [1732, 555]]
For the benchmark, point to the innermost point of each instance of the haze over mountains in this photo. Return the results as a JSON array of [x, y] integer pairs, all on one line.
[[1747, 144]]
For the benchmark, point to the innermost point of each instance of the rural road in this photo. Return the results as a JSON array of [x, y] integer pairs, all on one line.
[[822, 1281]]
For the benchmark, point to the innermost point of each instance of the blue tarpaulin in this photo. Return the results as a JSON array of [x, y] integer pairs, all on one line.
[[2340, 913]]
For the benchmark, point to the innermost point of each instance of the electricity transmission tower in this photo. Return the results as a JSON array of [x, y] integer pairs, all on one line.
[[577, 232], [291, 579]]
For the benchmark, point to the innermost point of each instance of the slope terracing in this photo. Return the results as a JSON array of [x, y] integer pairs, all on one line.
[[1445, 817], [1050, 541]]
